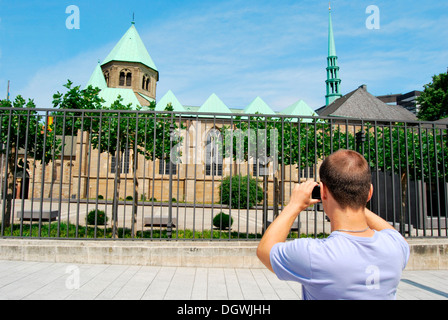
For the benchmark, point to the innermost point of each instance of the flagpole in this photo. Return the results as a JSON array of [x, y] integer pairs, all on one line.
[[7, 94]]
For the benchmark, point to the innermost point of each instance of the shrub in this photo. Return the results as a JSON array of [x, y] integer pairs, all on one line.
[[222, 221], [240, 190], [129, 198], [100, 197], [100, 217]]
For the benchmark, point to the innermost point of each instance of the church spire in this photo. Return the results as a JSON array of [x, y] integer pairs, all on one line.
[[333, 81]]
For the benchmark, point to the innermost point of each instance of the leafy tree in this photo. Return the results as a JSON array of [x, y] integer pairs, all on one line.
[[24, 129], [434, 99], [75, 99]]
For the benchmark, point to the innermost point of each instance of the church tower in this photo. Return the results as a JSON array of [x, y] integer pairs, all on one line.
[[129, 66], [333, 81]]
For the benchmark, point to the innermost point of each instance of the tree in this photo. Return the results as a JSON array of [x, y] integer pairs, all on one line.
[[118, 131], [279, 141], [434, 99], [24, 129], [75, 99]]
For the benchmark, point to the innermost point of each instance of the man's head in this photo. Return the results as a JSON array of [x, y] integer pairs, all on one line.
[[346, 175]]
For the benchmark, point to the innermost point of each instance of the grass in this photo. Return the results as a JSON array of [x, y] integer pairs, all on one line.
[[71, 231]]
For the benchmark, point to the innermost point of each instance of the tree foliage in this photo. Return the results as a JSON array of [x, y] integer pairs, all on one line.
[[434, 99]]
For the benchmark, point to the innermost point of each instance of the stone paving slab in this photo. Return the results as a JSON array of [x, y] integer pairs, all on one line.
[[63, 281]]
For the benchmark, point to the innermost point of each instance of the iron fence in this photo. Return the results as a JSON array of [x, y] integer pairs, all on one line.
[[82, 174]]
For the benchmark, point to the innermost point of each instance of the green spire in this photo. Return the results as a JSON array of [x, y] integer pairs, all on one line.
[[331, 43], [131, 49], [333, 81]]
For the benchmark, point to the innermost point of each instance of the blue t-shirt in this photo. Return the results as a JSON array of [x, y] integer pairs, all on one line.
[[344, 267]]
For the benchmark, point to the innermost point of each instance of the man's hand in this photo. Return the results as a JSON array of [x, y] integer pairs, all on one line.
[[301, 196], [279, 229]]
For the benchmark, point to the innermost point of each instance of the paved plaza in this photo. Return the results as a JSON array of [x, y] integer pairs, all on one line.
[[57, 281]]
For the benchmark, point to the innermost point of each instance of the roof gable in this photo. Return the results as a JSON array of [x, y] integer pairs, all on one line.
[[258, 106], [169, 97], [360, 104], [299, 108], [214, 105]]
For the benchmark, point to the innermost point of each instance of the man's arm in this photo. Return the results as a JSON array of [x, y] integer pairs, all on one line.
[[279, 229], [375, 222]]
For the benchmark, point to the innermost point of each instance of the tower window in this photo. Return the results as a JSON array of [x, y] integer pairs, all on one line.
[[122, 78], [145, 82], [106, 77], [125, 78]]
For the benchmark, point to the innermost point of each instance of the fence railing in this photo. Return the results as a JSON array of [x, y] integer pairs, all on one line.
[[81, 174]]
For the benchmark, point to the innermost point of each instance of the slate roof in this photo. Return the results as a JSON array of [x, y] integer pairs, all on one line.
[[360, 104]]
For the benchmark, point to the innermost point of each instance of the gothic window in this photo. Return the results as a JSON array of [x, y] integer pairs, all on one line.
[[213, 154], [124, 164], [164, 167]]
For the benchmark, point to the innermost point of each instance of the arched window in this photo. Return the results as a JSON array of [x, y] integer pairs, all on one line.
[[122, 78], [129, 80], [125, 78], [213, 154]]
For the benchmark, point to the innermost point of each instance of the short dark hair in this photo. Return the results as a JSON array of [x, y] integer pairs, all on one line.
[[347, 176]]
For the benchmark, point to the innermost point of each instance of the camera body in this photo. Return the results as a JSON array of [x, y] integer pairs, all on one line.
[[316, 193]]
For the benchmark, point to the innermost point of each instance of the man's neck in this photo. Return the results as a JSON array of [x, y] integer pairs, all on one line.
[[350, 221]]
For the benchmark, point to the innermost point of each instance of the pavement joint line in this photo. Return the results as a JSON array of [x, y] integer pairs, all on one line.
[[426, 288]]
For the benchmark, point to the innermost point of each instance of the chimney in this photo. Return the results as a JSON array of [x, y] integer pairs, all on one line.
[[364, 86]]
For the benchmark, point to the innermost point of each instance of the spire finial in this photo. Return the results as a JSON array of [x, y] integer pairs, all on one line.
[[133, 18], [329, 5]]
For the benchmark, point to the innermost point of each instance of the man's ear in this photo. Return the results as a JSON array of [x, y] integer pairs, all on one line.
[[370, 193], [323, 191]]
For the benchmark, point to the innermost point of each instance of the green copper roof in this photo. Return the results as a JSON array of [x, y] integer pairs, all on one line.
[[110, 95], [169, 97], [131, 49], [259, 106], [214, 105], [97, 78], [331, 44], [300, 108]]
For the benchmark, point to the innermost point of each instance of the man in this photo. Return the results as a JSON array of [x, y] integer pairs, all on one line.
[[364, 256]]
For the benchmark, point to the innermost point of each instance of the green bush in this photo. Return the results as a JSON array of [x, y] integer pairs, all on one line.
[[240, 190], [100, 216], [100, 197], [129, 198], [222, 221]]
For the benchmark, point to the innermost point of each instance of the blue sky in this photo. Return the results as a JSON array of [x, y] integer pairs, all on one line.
[[238, 49]]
